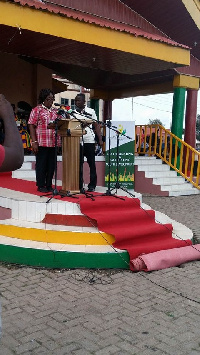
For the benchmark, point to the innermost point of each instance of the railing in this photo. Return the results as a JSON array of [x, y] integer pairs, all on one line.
[[155, 140]]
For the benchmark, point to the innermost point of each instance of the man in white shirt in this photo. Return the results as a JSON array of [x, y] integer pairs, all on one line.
[[87, 149]]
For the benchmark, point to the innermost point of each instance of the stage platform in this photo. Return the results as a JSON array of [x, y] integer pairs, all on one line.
[[56, 234]]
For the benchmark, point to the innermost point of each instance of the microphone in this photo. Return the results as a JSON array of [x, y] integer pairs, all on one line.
[[63, 111], [64, 107]]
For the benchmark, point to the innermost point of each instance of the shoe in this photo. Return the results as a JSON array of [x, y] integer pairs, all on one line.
[[91, 189], [50, 189], [42, 189]]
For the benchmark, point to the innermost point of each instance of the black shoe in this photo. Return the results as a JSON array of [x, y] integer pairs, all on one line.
[[91, 189], [50, 189], [42, 189]]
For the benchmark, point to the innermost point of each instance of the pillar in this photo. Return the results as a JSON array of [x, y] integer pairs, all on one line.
[[190, 124], [178, 114], [178, 111], [107, 110], [190, 118]]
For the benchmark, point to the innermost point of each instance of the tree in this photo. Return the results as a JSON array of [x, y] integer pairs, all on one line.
[[156, 121]]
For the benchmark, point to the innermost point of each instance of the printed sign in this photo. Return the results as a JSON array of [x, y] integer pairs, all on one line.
[[120, 140]]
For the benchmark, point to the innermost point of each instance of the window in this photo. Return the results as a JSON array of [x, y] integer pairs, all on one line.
[[64, 101], [72, 104]]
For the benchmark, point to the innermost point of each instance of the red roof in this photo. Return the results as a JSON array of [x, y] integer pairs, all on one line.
[[102, 21]]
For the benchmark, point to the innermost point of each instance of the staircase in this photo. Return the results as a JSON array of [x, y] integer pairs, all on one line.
[[26, 171], [151, 176], [154, 177]]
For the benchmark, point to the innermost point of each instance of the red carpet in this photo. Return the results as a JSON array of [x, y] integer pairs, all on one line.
[[164, 259], [7, 182], [134, 229]]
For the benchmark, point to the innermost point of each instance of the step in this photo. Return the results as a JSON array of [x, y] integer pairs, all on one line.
[[163, 176], [148, 161], [27, 165], [143, 158], [160, 174], [42, 254], [55, 234], [31, 158], [153, 167], [23, 174], [184, 193], [56, 246], [172, 180], [178, 187]]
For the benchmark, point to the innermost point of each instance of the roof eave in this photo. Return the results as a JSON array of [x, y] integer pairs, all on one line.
[[60, 26]]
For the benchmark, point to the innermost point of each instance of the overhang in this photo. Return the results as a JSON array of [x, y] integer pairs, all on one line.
[[179, 19], [83, 49]]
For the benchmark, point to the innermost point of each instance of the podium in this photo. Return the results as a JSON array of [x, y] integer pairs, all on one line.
[[71, 130]]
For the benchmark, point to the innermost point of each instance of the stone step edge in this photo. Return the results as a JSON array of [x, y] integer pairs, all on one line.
[[176, 187], [182, 193], [24, 243]]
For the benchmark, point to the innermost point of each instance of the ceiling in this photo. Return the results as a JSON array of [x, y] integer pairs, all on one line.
[[88, 65]]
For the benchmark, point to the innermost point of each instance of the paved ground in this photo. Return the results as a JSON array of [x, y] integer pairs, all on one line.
[[105, 312]]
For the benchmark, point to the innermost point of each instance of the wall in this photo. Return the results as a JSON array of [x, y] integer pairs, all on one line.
[[100, 167], [16, 78], [21, 80], [42, 79]]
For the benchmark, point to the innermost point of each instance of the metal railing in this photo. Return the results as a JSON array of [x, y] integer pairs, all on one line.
[[155, 140]]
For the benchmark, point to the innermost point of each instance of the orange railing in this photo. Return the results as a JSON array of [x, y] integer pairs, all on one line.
[[155, 140]]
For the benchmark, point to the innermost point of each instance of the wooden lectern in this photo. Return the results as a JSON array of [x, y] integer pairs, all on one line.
[[71, 130]]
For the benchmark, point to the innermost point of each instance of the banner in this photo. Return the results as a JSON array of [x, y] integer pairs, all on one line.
[[120, 141]]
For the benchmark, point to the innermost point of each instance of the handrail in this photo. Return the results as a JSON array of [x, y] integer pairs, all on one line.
[[155, 140]]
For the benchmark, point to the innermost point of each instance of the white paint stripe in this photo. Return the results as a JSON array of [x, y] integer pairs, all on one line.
[[57, 247]]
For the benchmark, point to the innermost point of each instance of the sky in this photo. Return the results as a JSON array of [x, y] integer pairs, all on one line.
[[141, 109]]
